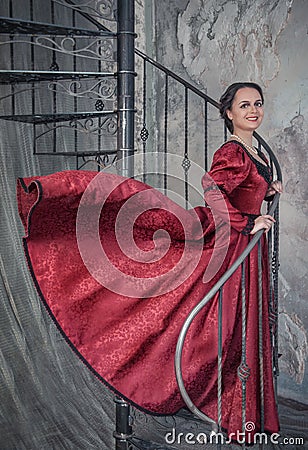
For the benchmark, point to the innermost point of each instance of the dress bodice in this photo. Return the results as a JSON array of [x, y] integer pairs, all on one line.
[[242, 179], [248, 196]]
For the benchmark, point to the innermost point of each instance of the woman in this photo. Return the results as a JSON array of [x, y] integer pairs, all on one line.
[[123, 319], [242, 109]]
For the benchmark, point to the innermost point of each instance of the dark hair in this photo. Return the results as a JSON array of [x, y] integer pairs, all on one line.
[[227, 98]]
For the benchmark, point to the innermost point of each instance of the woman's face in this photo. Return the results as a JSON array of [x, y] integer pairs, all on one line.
[[246, 111]]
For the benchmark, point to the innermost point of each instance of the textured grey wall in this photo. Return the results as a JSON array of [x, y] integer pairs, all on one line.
[[213, 43]]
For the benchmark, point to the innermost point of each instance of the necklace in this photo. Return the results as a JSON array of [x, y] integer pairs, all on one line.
[[249, 147]]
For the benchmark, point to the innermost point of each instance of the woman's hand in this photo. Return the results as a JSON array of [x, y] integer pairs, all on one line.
[[263, 222], [276, 186]]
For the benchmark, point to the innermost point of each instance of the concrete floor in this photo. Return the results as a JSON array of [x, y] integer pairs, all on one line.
[[155, 432]]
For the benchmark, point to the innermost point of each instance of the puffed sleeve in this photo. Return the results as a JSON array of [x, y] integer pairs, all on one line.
[[229, 169]]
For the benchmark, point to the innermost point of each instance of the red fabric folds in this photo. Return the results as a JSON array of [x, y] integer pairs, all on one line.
[[119, 267]]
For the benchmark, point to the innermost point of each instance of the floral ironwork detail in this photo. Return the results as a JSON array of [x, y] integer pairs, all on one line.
[[103, 89], [103, 160], [106, 125], [102, 49], [103, 9], [103, 126]]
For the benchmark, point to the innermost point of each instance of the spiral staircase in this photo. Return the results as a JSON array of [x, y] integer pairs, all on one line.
[[82, 106]]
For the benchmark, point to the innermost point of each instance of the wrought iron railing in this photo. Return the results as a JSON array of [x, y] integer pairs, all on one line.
[[61, 80]]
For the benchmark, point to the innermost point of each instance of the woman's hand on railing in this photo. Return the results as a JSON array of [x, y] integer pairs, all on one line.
[[275, 186], [263, 222]]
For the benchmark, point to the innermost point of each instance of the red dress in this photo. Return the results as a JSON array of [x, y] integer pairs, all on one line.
[[122, 312]]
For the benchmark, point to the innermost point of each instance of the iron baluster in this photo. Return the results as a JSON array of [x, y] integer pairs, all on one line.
[[260, 319], [205, 136], [243, 369], [12, 88], [144, 134], [186, 162], [270, 291], [54, 66], [219, 366], [166, 133], [75, 90], [32, 57], [271, 306], [275, 270]]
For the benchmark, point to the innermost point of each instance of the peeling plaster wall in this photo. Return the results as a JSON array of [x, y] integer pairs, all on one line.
[[232, 38], [213, 43]]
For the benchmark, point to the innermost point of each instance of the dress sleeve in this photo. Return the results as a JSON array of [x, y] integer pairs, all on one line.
[[229, 169]]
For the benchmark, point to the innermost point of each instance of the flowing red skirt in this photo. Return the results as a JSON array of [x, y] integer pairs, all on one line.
[[120, 290]]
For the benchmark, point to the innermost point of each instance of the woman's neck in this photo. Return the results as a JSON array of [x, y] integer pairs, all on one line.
[[245, 136]]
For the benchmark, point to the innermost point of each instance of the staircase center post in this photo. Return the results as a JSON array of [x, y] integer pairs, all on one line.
[[126, 87]]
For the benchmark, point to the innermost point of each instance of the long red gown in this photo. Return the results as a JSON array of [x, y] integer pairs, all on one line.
[[122, 313]]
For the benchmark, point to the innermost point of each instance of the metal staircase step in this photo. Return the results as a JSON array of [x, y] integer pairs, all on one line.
[[80, 154], [18, 26], [30, 76], [53, 118]]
